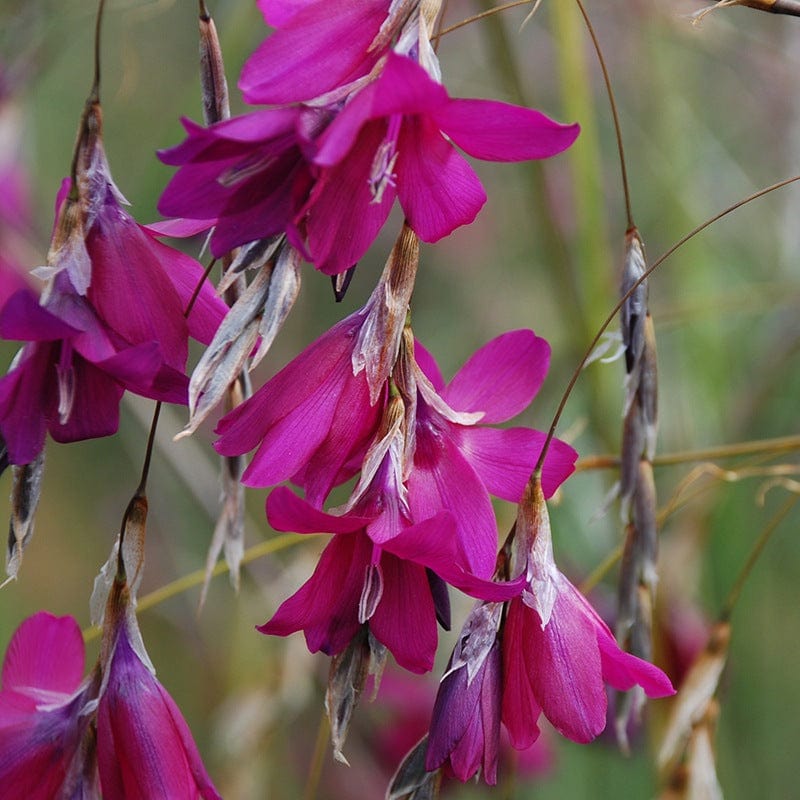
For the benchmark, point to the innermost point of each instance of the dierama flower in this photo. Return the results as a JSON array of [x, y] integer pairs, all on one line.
[[111, 316], [376, 571], [144, 747], [557, 651], [395, 139], [465, 725], [328, 176]]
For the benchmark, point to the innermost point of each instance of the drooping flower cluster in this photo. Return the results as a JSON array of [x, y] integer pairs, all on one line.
[[364, 120], [366, 399], [358, 118]]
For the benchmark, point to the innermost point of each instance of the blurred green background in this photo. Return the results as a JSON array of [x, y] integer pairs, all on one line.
[[709, 113]]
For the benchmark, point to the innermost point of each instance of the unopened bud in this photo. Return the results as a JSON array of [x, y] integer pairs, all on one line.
[[212, 72]]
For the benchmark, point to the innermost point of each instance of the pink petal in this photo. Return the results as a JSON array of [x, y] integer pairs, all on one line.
[[621, 670], [442, 480], [494, 131], [520, 707], [318, 369], [26, 400], [502, 377], [125, 265], [340, 137], [433, 544], [46, 652], [144, 747], [343, 220], [565, 670], [427, 363], [288, 512], [317, 50], [504, 459], [406, 88], [23, 319], [179, 228], [185, 274], [326, 606], [348, 439], [438, 190], [289, 444], [95, 408], [405, 619]]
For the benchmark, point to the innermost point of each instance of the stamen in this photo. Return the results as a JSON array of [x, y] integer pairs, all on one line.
[[382, 175], [372, 591], [66, 383]]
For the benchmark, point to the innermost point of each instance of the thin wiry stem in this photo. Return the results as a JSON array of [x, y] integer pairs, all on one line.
[[614, 114], [781, 444], [758, 548], [657, 263], [482, 15], [94, 95]]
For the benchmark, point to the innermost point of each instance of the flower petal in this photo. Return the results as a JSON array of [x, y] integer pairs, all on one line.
[[502, 377], [504, 459], [26, 400], [288, 512], [438, 190], [343, 220], [326, 605], [45, 653], [320, 47], [405, 619], [144, 748], [621, 670], [442, 480], [494, 131], [24, 320], [565, 670], [520, 707]]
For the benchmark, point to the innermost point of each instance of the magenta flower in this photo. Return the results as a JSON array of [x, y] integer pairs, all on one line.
[[318, 46], [457, 465], [376, 570], [144, 747], [45, 710], [245, 175], [557, 651], [111, 318], [395, 138], [331, 176]]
